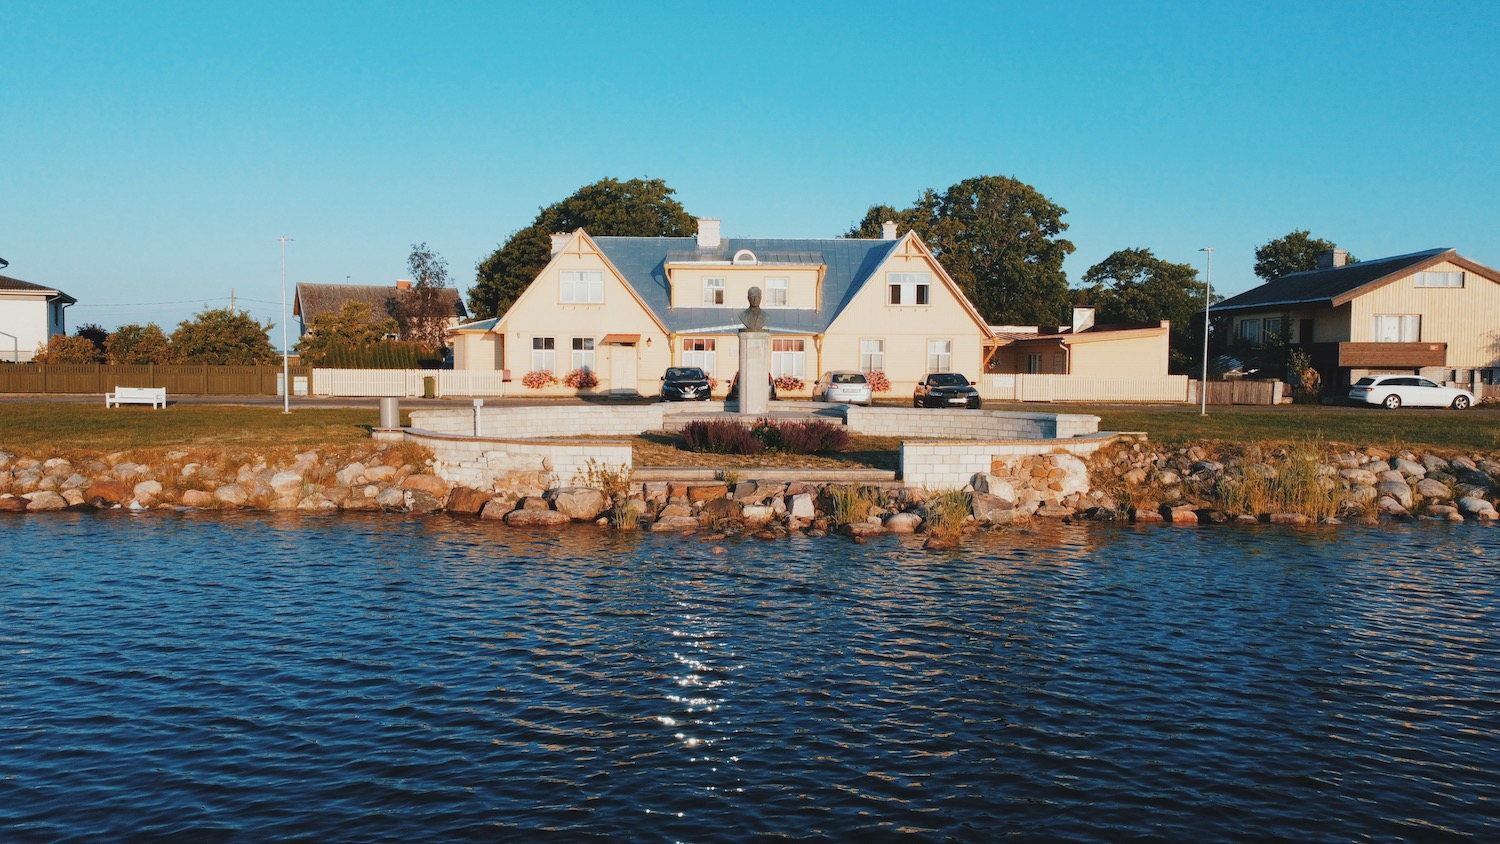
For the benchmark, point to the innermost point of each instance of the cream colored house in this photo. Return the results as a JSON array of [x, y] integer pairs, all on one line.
[[626, 308], [30, 314], [1434, 313], [1081, 348]]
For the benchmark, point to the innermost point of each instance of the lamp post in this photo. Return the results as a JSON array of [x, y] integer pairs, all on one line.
[[1208, 286], [286, 367]]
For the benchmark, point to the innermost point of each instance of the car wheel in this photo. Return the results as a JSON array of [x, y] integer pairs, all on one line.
[[916, 402], [1461, 403], [1391, 402]]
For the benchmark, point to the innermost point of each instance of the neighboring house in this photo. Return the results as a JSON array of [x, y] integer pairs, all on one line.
[[629, 307], [30, 315], [1082, 348], [315, 299], [1432, 313]]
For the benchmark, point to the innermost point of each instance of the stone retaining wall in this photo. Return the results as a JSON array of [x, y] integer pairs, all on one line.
[[522, 423], [951, 464], [490, 463], [988, 425]]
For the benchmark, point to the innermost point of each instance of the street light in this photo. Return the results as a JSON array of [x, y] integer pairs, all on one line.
[[1208, 286], [286, 367]]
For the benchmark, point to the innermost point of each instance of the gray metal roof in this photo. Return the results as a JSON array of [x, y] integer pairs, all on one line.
[[642, 261], [1322, 287]]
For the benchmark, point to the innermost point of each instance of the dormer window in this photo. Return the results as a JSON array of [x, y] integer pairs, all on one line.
[[776, 293], [713, 291], [745, 257]]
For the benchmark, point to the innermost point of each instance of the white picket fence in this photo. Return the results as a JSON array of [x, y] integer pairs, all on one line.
[[405, 383], [1084, 388]]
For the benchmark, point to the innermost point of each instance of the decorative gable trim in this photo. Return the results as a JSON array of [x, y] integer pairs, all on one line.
[[910, 246], [579, 244]]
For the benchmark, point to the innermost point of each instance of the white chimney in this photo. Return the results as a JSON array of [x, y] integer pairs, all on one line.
[[888, 230], [1083, 319], [708, 233], [1330, 258], [558, 240]]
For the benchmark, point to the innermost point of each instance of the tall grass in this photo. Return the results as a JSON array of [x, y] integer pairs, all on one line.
[[947, 512], [1295, 486]]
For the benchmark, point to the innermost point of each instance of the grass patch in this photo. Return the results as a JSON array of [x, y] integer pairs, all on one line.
[[660, 448], [1293, 486], [947, 512]]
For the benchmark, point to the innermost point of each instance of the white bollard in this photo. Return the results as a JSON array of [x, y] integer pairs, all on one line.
[[478, 407]]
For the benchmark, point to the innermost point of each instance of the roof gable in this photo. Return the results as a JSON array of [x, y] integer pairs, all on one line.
[[313, 300], [1338, 285]]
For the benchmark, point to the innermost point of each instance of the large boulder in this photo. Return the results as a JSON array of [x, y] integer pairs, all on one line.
[[801, 507], [1360, 477], [197, 498], [286, 483], [1474, 507], [537, 518], [430, 484], [903, 522], [1397, 490], [104, 493], [756, 515], [12, 504], [1433, 490], [45, 501], [671, 523], [579, 503], [991, 509], [232, 495], [467, 500], [985, 483]]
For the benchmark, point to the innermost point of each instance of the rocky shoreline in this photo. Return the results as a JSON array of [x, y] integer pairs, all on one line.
[[1128, 481]]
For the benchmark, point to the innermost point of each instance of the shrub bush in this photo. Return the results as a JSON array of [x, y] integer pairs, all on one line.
[[581, 379], [720, 436], [811, 437], [879, 383], [538, 378], [789, 384]]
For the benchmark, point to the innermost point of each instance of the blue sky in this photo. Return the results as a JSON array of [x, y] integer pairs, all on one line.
[[152, 153]]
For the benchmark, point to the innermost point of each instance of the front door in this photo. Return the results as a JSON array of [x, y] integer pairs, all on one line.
[[622, 369]]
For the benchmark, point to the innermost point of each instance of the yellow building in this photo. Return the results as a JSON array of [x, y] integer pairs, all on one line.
[[1432, 313], [626, 308], [1081, 348]]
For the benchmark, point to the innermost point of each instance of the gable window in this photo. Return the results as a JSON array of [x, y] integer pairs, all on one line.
[[580, 286], [788, 357], [908, 288], [939, 355], [543, 354], [583, 353], [699, 352], [776, 292], [1398, 328], [1436, 279], [871, 355], [713, 291]]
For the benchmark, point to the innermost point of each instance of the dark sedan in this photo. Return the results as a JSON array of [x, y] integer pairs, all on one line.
[[945, 389], [684, 383]]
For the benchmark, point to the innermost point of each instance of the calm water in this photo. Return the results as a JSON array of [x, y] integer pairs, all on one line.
[[252, 678]]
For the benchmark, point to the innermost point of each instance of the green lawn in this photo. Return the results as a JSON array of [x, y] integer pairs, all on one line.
[[50, 426]]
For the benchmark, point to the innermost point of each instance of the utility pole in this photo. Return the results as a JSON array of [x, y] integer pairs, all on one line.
[[1208, 286]]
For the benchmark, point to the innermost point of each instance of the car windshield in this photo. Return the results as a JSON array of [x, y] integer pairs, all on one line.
[[684, 373], [947, 379], [848, 378]]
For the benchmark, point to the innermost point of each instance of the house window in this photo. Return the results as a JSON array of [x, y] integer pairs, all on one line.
[[699, 352], [1034, 364], [788, 358], [776, 292], [580, 287], [939, 355], [909, 288], [1398, 328], [1435, 279], [583, 353], [1258, 331], [871, 355], [745, 256], [713, 291], [543, 354]]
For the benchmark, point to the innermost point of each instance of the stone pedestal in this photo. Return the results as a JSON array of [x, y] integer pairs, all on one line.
[[755, 371]]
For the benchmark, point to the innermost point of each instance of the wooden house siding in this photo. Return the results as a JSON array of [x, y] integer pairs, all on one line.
[[1463, 318]]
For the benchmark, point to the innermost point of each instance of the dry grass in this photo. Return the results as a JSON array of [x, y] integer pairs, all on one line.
[[663, 449]]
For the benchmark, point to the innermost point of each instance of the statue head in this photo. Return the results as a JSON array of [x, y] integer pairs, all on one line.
[[754, 296]]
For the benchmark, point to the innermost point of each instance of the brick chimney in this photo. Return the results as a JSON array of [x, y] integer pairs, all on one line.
[[1330, 258], [403, 284], [888, 230], [558, 239], [708, 233]]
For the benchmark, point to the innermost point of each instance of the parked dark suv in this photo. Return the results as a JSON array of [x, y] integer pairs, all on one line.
[[945, 389], [684, 383]]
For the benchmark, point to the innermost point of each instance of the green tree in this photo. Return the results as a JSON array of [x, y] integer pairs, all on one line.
[[609, 207], [354, 325], [999, 239], [136, 344], [60, 348], [1135, 286], [94, 333], [423, 312], [223, 337], [1296, 252]]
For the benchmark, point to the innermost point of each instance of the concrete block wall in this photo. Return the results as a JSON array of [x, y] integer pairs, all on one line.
[[489, 463], [988, 425], [533, 422], [939, 465]]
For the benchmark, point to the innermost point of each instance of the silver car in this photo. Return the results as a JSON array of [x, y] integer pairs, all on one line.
[[1393, 391], [843, 385]]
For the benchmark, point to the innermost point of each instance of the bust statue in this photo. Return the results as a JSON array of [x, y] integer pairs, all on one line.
[[753, 317]]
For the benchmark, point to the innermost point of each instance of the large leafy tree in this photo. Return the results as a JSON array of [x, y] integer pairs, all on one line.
[[94, 333], [222, 336], [137, 344], [354, 325], [999, 238], [60, 348], [423, 312], [1296, 252], [1135, 286], [633, 208]]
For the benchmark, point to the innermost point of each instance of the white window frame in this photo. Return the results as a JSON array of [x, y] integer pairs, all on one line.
[[1398, 328], [909, 289], [701, 352], [1434, 278], [776, 286], [583, 353], [713, 292], [940, 355], [788, 357], [871, 355], [580, 287], [544, 354], [1033, 364]]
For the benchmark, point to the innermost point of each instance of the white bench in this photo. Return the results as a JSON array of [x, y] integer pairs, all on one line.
[[154, 396]]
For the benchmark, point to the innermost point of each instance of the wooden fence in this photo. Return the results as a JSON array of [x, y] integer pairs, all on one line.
[[1244, 392], [102, 378]]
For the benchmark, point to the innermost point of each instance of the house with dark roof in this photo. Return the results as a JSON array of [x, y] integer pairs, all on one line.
[[1433, 313], [626, 308], [30, 314], [313, 300]]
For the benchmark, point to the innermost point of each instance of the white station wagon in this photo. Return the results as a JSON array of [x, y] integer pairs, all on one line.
[[1393, 391]]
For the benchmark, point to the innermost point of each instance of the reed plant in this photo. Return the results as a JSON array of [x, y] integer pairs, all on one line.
[[1293, 486], [614, 482], [948, 512], [846, 504]]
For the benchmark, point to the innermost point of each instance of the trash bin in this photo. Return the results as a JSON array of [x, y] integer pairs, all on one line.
[[429, 387]]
